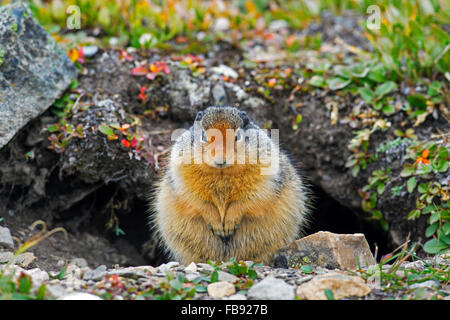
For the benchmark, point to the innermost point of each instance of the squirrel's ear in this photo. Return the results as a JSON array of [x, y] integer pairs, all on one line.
[[244, 118], [199, 116]]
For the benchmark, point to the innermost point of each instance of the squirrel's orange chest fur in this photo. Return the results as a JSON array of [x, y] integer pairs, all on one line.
[[222, 186]]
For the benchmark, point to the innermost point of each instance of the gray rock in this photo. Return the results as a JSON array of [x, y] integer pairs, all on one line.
[[187, 95], [192, 267], [25, 259], [5, 236], [6, 256], [329, 250], [192, 275], [225, 276], [80, 296], [96, 274], [90, 51], [226, 71], [37, 277], [56, 290], [134, 272], [33, 73], [79, 262], [425, 284], [205, 268], [221, 289], [271, 289], [168, 266], [341, 285]]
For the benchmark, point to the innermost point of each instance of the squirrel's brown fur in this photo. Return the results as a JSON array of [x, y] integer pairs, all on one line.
[[205, 212]]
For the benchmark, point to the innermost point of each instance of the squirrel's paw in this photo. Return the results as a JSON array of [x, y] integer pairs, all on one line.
[[226, 231]]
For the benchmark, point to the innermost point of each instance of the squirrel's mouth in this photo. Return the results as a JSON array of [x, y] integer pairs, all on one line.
[[221, 165]]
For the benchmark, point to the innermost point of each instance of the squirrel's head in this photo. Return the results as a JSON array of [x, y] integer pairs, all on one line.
[[222, 118], [222, 134], [222, 138]]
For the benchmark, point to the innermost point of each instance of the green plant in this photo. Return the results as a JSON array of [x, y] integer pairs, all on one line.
[[21, 289], [395, 279], [175, 288], [409, 40], [433, 201], [375, 98], [429, 158], [241, 269], [370, 193]]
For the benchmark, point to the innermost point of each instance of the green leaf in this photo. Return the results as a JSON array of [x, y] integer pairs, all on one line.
[[106, 130], [422, 188], [385, 88], [414, 214], [434, 216], [431, 229], [53, 128], [355, 171], [338, 83], [417, 101], [445, 239], [366, 94], [384, 225], [377, 215], [40, 295], [446, 228], [252, 274], [434, 246], [317, 81], [411, 184], [177, 285], [306, 269], [388, 109], [407, 171], [443, 165], [24, 284], [434, 88], [380, 188], [200, 288], [343, 72], [214, 276], [377, 74], [329, 294]]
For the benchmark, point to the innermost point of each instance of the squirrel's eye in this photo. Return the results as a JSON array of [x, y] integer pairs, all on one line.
[[238, 136]]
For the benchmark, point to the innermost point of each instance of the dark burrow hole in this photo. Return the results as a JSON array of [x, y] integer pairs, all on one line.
[[133, 221]]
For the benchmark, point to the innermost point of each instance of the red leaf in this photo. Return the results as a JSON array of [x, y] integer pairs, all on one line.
[[134, 142], [139, 71], [126, 143]]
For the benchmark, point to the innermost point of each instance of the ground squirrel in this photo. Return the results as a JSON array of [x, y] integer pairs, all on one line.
[[217, 207]]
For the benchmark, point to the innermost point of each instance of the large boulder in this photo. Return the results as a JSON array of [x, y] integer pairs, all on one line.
[[34, 71]]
